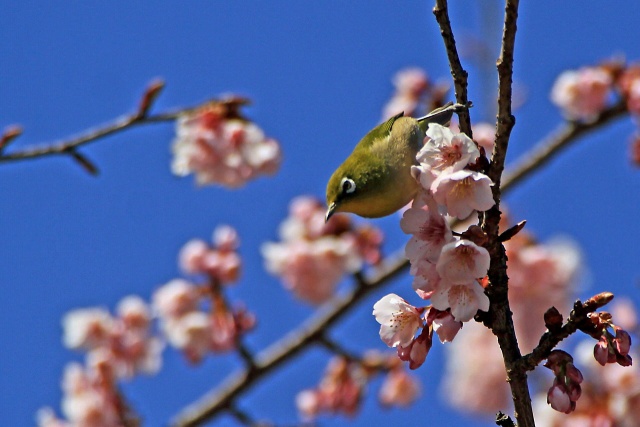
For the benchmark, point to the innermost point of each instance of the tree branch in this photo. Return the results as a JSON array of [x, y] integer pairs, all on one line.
[[578, 319], [553, 144], [70, 146], [458, 73]]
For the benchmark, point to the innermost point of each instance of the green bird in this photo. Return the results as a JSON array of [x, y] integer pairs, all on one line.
[[375, 180]]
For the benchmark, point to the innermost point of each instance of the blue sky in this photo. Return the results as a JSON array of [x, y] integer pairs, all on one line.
[[319, 74]]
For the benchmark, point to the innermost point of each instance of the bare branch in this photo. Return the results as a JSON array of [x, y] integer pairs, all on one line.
[[68, 146], [458, 73]]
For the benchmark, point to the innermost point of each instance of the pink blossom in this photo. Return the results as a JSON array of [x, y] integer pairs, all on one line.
[[426, 279], [191, 333], [87, 328], [446, 326], [175, 299], [463, 261], [134, 313], [462, 192], [340, 390], [90, 399], [412, 81], [417, 350], [484, 135], [399, 320], [313, 255], [464, 300], [225, 238], [311, 269], [220, 148], [559, 399], [192, 255], [223, 266], [582, 94], [443, 149], [411, 84], [45, 417], [430, 233], [399, 389]]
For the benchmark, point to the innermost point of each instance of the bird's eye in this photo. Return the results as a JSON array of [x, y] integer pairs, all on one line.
[[348, 186]]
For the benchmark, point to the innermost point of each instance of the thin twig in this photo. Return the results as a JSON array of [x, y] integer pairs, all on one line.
[[223, 397], [71, 145], [499, 318], [458, 73], [578, 319]]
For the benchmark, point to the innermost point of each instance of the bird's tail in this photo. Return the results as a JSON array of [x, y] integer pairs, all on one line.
[[441, 115]]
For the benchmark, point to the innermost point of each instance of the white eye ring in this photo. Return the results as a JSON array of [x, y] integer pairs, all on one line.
[[348, 186]]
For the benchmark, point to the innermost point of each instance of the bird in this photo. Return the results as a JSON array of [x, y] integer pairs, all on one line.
[[375, 179]]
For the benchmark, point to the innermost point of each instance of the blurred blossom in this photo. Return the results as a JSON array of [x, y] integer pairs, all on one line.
[[193, 331], [313, 256], [90, 399], [339, 391], [582, 94], [86, 328], [484, 134], [125, 341], [411, 86], [220, 261], [175, 299], [220, 147], [399, 388], [629, 83]]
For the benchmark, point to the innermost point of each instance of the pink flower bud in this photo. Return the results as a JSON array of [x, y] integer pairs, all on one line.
[[558, 398]]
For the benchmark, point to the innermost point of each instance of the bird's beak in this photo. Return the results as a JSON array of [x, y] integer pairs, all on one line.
[[330, 211]]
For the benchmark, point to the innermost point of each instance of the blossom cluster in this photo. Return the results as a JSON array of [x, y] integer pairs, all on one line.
[[313, 255], [181, 305], [345, 381], [566, 389], [117, 347], [449, 270], [586, 93], [414, 94], [195, 318], [221, 147]]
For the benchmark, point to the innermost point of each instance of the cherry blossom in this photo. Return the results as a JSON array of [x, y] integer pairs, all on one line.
[[430, 233], [313, 256], [399, 320], [410, 84], [443, 149], [220, 262], [582, 94], [340, 390], [220, 147], [464, 300], [463, 261], [399, 389], [462, 192]]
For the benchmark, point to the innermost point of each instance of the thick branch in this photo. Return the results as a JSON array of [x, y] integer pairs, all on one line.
[[458, 73], [223, 397]]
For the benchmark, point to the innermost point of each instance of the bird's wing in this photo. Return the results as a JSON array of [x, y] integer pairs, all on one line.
[[379, 132]]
